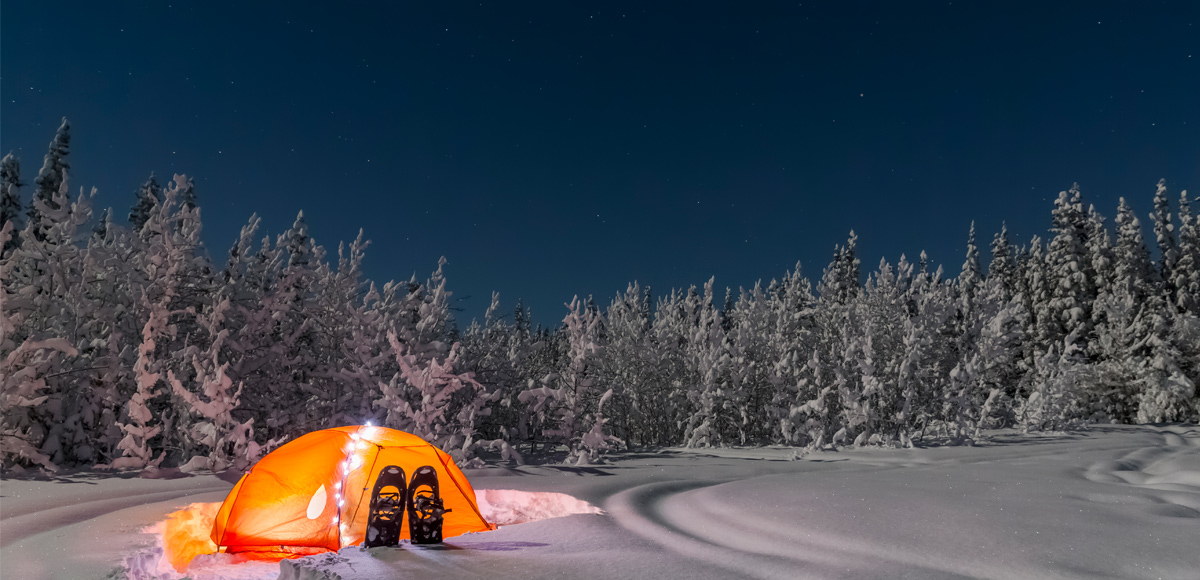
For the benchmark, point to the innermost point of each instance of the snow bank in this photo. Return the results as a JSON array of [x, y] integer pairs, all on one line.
[[505, 507]]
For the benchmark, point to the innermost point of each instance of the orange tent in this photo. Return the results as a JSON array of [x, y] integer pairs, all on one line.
[[313, 494]]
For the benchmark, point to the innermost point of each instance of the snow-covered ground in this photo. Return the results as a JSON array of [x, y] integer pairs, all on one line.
[[1110, 502]]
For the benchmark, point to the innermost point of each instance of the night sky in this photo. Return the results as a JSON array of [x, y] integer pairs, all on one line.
[[561, 148]]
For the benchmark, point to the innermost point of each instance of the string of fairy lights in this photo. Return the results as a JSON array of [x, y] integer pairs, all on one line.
[[352, 462]]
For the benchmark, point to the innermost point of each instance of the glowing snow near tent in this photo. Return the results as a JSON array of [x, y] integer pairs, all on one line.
[[185, 535]]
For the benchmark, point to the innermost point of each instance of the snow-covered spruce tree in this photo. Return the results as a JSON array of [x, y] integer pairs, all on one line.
[[295, 324], [1068, 264], [274, 304], [1167, 393], [870, 399], [23, 371], [187, 194], [981, 393], [103, 223], [625, 368], [10, 198], [148, 196], [1003, 267], [749, 400], [1123, 312], [1036, 289], [829, 368], [930, 340], [420, 313], [351, 346], [493, 352], [429, 399], [46, 281], [706, 360], [792, 311], [171, 236], [959, 400], [840, 282], [110, 316], [668, 377], [547, 355], [255, 348], [1164, 233], [1186, 322], [53, 174], [1060, 376], [171, 227], [224, 440], [571, 400], [138, 423], [1100, 251], [1187, 269], [971, 276], [427, 390]]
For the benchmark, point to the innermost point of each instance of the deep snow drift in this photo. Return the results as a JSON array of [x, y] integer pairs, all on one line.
[[1110, 502]]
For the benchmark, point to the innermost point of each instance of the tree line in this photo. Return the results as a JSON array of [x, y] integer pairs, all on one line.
[[128, 346]]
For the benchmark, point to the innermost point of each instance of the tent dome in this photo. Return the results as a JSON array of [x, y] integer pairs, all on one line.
[[313, 494]]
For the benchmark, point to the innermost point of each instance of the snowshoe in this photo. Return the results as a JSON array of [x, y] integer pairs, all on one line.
[[387, 508], [425, 507]]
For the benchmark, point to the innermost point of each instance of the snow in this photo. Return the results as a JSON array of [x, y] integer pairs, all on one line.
[[1109, 502]]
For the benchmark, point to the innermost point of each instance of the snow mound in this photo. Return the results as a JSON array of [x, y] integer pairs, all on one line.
[[505, 507]]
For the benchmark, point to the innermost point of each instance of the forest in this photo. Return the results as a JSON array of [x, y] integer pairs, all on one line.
[[128, 346]]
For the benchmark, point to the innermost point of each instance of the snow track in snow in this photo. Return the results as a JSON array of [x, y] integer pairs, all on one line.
[[1169, 475], [24, 523]]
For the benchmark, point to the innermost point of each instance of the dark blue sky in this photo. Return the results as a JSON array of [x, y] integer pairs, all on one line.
[[549, 149]]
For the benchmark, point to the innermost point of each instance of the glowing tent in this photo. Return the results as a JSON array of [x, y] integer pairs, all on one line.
[[313, 494]]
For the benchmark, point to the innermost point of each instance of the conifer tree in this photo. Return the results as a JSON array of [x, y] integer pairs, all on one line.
[[1100, 250], [624, 365], [432, 400], [1124, 312], [1039, 287], [1003, 266], [53, 172], [351, 346], [840, 280], [48, 272], [1133, 271], [1164, 233], [1187, 269], [668, 377], [1068, 264], [24, 368], [567, 405], [870, 397], [148, 196], [187, 194], [971, 276], [923, 266], [10, 199], [225, 440], [753, 390], [705, 360]]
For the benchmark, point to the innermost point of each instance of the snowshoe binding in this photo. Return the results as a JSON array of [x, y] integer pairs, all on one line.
[[425, 507], [387, 508]]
